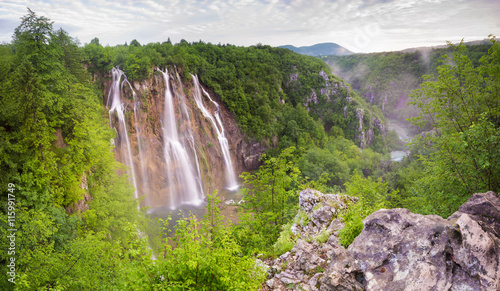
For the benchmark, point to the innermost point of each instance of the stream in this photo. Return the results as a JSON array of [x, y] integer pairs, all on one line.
[[402, 131]]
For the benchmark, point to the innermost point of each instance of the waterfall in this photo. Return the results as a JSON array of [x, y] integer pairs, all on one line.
[[115, 105], [224, 145], [144, 182], [187, 133], [184, 182]]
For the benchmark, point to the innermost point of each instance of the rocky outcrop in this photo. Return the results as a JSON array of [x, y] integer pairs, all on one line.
[[400, 250], [249, 153], [397, 250], [317, 261], [81, 205]]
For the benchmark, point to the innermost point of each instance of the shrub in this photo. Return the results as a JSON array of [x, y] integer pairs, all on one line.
[[285, 241], [323, 236]]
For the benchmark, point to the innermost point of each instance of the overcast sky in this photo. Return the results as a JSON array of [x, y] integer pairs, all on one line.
[[358, 25]]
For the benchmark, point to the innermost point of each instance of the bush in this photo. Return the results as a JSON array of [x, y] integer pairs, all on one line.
[[285, 241], [323, 236]]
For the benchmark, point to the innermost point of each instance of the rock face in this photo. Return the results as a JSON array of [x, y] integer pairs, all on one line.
[[313, 264], [144, 111], [397, 250]]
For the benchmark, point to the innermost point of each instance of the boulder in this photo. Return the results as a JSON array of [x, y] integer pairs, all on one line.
[[400, 250], [484, 208], [397, 249]]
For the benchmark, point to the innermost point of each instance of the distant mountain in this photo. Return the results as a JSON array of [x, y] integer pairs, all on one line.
[[320, 49]]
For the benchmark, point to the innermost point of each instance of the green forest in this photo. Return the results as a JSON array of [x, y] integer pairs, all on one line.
[[385, 78], [55, 152]]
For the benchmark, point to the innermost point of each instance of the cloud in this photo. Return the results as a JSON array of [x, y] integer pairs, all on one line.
[[359, 25]]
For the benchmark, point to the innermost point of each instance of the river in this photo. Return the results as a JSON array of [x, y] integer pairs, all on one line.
[[402, 131]]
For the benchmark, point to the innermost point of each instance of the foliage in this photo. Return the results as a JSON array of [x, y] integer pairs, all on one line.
[[386, 79], [353, 222], [461, 106], [339, 159], [271, 201], [285, 240], [302, 218], [203, 255], [55, 148], [372, 195], [323, 236]]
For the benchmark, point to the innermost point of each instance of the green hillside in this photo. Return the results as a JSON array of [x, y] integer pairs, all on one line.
[[69, 217], [386, 79]]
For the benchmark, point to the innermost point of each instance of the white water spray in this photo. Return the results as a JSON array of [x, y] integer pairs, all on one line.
[[115, 104], [144, 182], [230, 176], [187, 133], [185, 187]]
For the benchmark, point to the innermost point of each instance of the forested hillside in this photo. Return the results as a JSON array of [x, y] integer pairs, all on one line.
[[266, 88], [69, 217], [386, 79]]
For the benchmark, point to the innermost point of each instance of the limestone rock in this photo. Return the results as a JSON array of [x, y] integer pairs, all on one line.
[[485, 210], [400, 250], [311, 265], [308, 199], [397, 249]]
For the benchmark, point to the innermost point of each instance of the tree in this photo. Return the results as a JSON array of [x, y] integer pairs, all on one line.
[[462, 107], [270, 197], [31, 40]]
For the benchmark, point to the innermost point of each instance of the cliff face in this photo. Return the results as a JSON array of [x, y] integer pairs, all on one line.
[[397, 249], [144, 114], [142, 143]]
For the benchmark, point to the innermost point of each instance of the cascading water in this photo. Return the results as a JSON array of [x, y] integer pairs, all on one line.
[[230, 176], [115, 105], [184, 181], [187, 133], [144, 182]]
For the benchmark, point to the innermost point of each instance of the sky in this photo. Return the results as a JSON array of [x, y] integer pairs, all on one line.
[[359, 25]]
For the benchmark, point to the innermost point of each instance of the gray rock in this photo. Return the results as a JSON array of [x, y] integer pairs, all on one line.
[[270, 283], [397, 249], [313, 266], [323, 215], [288, 278], [484, 208], [400, 250], [308, 198]]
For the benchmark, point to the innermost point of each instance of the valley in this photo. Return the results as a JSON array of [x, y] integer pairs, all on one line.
[[200, 166]]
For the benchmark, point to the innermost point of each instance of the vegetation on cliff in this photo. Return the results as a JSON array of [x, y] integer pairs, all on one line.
[[56, 150], [273, 92], [386, 79]]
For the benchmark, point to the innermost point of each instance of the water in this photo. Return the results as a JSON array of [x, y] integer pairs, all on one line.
[[402, 131], [115, 105], [187, 133], [397, 156], [184, 182], [143, 184], [219, 128], [140, 146]]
